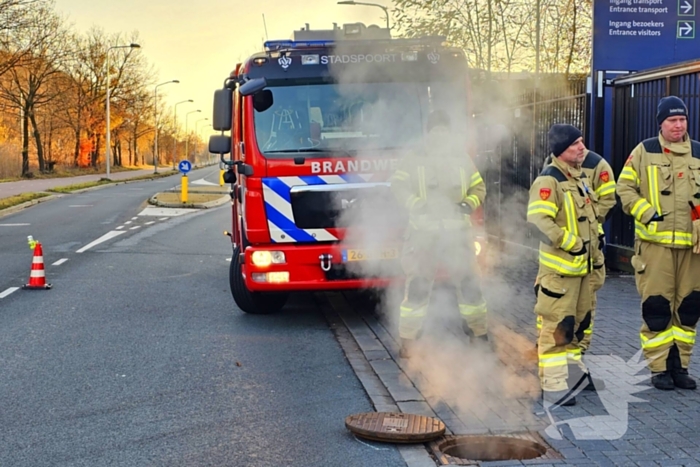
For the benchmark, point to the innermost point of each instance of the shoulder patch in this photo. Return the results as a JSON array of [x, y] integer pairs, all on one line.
[[652, 145], [545, 193], [629, 160], [695, 147], [552, 171], [605, 176], [592, 160]]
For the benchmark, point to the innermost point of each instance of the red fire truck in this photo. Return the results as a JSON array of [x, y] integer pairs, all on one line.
[[317, 124]]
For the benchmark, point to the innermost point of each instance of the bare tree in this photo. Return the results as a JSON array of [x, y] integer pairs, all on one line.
[[500, 35], [27, 88]]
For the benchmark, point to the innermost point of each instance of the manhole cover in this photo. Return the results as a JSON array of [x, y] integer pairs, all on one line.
[[470, 450], [395, 427]]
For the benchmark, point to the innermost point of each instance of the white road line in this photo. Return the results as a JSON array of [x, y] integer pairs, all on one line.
[[60, 262], [13, 225], [128, 222], [149, 223], [134, 218], [120, 227], [135, 227], [104, 238], [155, 211], [8, 292], [163, 219], [80, 206]]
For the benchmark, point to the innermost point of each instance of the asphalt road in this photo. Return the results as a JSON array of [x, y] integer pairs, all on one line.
[[138, 357]]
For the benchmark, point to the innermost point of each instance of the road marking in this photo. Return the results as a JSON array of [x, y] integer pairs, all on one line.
[[134, 218], [149, 223], [14, 225], [128, 222], [80, 206], [120, 227], [135, 227], [104, 238], [8, 292], [201, 181], [60, 262], [160, 212], [163, 219]]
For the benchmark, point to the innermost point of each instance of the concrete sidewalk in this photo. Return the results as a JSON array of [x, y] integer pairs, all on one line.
[[8, 189], [629, 423]]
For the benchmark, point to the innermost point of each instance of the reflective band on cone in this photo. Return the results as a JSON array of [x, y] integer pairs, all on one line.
[[37, 276]]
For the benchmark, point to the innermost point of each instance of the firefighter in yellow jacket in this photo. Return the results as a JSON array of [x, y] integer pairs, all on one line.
[[600, 177], [439, 189], [659, 186], [566, 218]]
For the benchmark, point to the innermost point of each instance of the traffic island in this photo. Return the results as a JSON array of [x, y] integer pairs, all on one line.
[[200, 198]]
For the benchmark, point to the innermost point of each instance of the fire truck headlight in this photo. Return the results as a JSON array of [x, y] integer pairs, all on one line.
[[264, 258], [477, 248]]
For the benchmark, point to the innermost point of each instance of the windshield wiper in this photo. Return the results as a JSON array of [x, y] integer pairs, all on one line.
[[328, 150], [281, 151]]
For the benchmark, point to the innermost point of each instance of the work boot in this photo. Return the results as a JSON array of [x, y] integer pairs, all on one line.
[[406, 348], [558, 398], [663, 381], [482, 342], [681, 379], [678, 373]]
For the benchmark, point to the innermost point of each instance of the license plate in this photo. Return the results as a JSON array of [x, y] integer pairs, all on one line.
[[369, 255]]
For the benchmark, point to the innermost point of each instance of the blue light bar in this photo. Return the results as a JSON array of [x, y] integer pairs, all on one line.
[[277, 45]]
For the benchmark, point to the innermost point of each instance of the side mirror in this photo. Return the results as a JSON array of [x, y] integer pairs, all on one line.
[[252, 86], [219, 144], [262, 100], [223, 110]]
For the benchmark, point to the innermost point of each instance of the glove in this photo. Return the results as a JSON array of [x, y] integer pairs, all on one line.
[[580, 252], [696, 237], [656, 218], [465, 208], [601, 242]]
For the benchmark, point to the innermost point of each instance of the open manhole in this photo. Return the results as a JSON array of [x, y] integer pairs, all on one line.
[[395, 427], [473, 449]]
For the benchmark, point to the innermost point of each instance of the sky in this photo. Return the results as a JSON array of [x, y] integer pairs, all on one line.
[[200, 42]]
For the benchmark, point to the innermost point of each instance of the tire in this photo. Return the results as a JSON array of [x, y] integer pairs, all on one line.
[[257, 303]]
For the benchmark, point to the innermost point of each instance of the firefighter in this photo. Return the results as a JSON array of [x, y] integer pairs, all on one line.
[[599, 177], [439, 188], [659, 186], [566, 218]]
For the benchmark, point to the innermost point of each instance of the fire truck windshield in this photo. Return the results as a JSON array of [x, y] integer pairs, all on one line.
[[340, 119]]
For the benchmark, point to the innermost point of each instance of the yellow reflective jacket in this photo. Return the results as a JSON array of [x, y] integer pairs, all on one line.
[[663, 178], [561, 209], [431, 190]]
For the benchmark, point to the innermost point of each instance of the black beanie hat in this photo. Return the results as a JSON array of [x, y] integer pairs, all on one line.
[[561, 136], [438, 118], [670, 106]]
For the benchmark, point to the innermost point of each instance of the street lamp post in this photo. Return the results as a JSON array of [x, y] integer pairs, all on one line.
[[176, 131], [352, 2], [155, 99], [108, 134], [196, 133], [187, 135]]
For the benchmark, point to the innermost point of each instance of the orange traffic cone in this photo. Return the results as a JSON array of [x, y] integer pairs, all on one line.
[[37, 276]]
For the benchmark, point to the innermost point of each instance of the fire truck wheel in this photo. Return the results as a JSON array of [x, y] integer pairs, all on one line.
[[258, 303]]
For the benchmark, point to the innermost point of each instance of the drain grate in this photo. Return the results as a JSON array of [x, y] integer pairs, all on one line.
[[473, 449]]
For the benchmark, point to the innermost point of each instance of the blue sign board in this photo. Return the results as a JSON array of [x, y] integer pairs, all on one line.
[[184, 166], [633, 35]]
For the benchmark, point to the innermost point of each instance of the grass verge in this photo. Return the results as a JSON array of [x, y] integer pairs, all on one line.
[[106, 181], [19, 199]]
